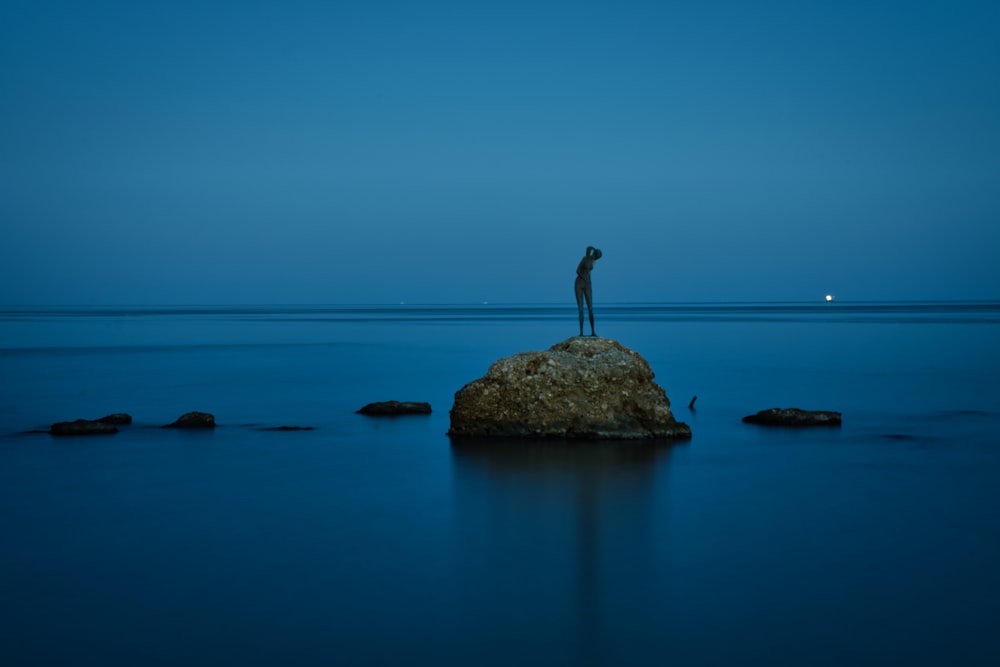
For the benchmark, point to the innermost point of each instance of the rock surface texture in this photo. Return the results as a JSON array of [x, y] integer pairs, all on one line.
[[794, 417], [583, 387]]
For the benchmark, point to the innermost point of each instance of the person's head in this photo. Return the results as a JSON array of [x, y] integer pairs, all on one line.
[[597, 253]]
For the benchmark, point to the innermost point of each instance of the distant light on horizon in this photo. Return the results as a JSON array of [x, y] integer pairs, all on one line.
[[829, 297]]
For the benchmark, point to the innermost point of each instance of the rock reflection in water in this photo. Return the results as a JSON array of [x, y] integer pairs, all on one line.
[[556, 544]]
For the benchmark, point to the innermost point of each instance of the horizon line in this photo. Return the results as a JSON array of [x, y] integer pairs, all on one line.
[[547, 304]]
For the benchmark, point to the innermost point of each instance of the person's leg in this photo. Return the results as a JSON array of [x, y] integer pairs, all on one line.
[[579, 306], [590, 310]]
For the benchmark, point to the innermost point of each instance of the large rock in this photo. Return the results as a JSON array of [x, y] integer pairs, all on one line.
[[583, 387]]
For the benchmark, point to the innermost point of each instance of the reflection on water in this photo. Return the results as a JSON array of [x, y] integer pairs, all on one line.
[[556, 540], [534, 455]]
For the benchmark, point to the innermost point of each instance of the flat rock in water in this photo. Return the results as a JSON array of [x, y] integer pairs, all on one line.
[[583, 387], [794, 417], [194, 420], [117, 418], [83, 427], [395, 408]]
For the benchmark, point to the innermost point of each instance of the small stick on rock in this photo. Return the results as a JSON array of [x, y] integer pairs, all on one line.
[[691, 404]]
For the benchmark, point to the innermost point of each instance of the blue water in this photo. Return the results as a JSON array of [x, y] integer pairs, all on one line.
[[379, 542]]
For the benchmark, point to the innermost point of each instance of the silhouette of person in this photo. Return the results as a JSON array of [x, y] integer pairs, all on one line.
[[583, 288]]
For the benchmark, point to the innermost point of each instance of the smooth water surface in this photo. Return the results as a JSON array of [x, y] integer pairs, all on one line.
[[380, 542]]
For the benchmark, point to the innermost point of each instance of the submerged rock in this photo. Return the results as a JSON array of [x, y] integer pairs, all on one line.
[[583, 387], [194, 420], [794, 417], [395, 408], [82, 427]]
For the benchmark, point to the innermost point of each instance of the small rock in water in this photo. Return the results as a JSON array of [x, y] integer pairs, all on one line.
[[194, 420], [117, 418], [83, 427], [395, 408], [103, 426], [794, 417]]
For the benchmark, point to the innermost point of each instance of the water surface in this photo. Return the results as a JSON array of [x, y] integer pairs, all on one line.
[[379, 541]]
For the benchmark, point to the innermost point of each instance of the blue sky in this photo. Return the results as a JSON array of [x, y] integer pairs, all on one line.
[[453, 152]]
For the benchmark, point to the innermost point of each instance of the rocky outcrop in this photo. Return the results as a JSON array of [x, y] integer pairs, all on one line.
[[583, 387], [794, 417], [395, 408], [194, 420]]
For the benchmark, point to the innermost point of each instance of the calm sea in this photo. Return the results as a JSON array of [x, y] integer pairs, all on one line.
[[378, 542]]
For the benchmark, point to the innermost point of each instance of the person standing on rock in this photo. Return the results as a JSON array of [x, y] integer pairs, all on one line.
[[583, 289]]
